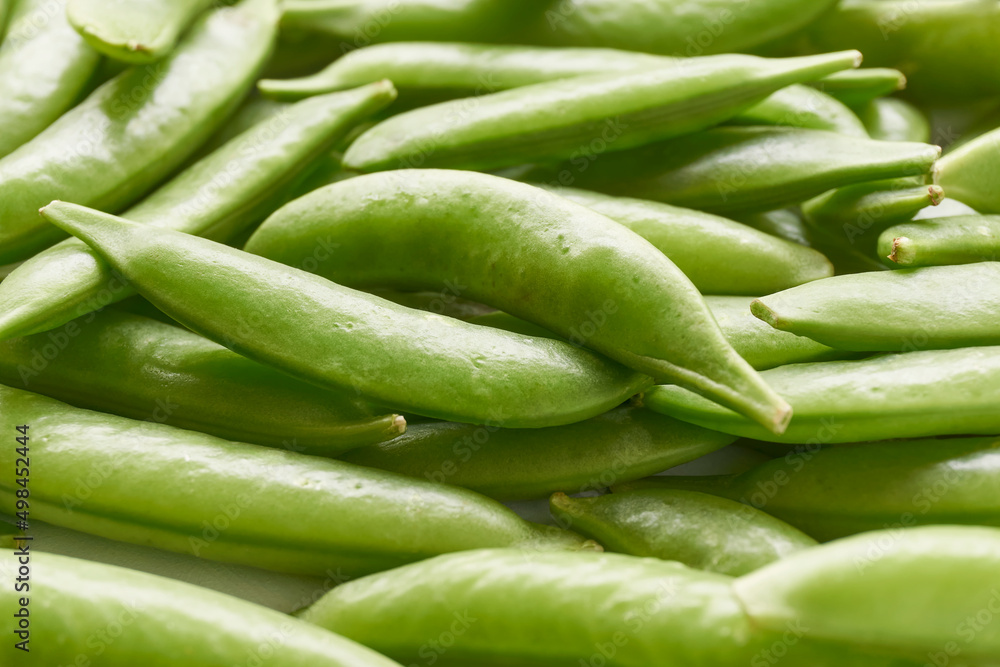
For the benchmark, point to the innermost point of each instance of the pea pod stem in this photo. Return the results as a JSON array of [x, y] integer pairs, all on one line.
[[964, 239]]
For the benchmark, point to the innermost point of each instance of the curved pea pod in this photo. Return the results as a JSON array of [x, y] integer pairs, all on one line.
[[805, 107], [564, 119], [837, 491], [44, 66], [861, 590], [969, 173], [522, 464], [964, 239], [671, 27], [219, 196], [143, 369], [341, 339], [134, 32], [943, 48], [88, 609], [134, 130], [528, 252], [892, 119], [183, 491], [857, 87], [912, 395], [934, 307], [745, 169], [702, 531]]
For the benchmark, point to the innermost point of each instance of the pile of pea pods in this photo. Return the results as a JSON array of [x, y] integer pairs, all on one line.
[[493, 333]]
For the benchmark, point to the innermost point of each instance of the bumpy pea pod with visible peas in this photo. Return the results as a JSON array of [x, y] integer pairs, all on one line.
[[135, 31], [76, 605], [44, 66], [193, 493], [892, 119], [964, 239], [743, 169], [742, 260], [566, 118], [857, 87], [535, 255], [933, 307], [911, 395], [339, 338], [143, 369], [115, 145], [970, 172], [219, 197], [702, 531], [847, 489], [524, 464]]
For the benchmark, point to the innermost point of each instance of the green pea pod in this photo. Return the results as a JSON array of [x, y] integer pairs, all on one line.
[[44, 66], [912, 395], [134, 130], [742, 260], [283, 317], [857, 87], [892, 119], [135, 32], [536, 256], [802, 106], [934, 307], [697, 529], [85, 610], [962, 239], [743, 169], [862, 590], [589, 114], [969, 173], [837, 491], [183, 491], [672, 27], [143, 369], [523, 464], [218, 197]]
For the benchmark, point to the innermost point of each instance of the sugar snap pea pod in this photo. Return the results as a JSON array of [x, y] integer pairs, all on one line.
[[522, 464], [85, 610], [969, 173], [568, 118], [745, 169], [911, 395], [893, 119], [133, 31], [137, 367], [742, 261], [183, 491], [933, 307], [702, 531], [861, 590], [645, 314], [134, 130], [961, 239], [219, 196], [338, 338], [837, 491], [802, 106], [857, 87], [44, 66]]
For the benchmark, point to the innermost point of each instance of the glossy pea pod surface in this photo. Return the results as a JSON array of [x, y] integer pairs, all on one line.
[[528, 252], [115, 145], [933, 307], [184, 491], [702, 531], [857, 87], [962, 239], [837, 491], [219, 196], [862, 211], [892, 119], [969, 173], [523, 464], [115, 616], [583, 115], [44, 67], [341, 339], [143, 369], [743, 169], [140, 31], [911, 395]]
